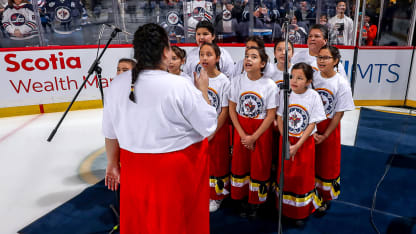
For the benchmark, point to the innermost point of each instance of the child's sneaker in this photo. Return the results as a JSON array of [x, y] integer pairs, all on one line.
[[214, 205]]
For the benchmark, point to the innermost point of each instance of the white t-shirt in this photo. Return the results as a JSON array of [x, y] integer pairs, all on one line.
[[219, 92], [239, 69], [335, 93], [277, 75], [303, 56], [345, 36], [253, 98], [192, 63], [303, 109], [169, 114]]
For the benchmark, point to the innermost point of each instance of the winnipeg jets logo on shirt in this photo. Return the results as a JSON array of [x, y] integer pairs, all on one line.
[[198, 13], [213, 98], [63, 14], [298, 120], [198, 68], [172, 18], [251, 104], [226, 15], [327, 99], [17, 19]]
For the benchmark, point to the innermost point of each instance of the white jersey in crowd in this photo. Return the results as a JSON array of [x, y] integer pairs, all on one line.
[[239, 69], [253, 98], [219, 91], [192, 63], [20, 18], [303, 56], [170, 114], [343, 28], [335, 93], [303, 109]]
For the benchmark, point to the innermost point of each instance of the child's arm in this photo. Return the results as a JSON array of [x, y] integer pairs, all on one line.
[[280, 124], [221, 120], [294, 148], [251, 139], [234, 119], [331, 127]]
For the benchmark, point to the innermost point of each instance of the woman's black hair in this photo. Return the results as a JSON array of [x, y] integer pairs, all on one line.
[[256, 39], [216, 50], [263, 56], [206, 24], [149, 42], [181, 53], [306, 68], [282, 40], [322, 28], [334, 53]]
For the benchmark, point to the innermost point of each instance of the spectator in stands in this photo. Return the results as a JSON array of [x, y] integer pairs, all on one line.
[[226, 23], [297, 31], [305, 13], [342, 25], [19, 20], [65, 15], [369, 31], [323, 19], [3, 5], [171, 17]]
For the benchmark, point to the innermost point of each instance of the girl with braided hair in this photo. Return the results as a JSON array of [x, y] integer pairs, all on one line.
[[155, 126]]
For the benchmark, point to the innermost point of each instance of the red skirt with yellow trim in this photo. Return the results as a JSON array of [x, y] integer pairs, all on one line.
[[219, 163], [328, 162], [300, 198], [251, 169], [165, 193]]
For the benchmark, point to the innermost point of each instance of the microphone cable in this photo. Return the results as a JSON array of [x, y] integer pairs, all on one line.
[[386, 170]]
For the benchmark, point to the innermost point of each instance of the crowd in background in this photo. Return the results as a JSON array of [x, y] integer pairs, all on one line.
[[234, 20]]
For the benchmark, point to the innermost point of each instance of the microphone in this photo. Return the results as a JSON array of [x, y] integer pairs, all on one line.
[[118, 29]]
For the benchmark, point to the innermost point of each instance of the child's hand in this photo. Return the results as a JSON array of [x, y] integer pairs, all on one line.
[[292, 151], [202, 81], [248, 141], [319, 138]]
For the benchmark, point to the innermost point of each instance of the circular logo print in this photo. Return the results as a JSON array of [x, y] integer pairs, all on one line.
[[298, 119], [251, 105], [17, 19], [198, 13], [327, 99], [63, 14], [172, 18], [226, 15], [213, 98], [279, 84]]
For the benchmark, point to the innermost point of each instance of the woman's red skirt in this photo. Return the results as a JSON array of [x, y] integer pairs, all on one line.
[[166, 192]]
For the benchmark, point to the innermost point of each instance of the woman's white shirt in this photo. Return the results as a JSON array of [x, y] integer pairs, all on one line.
[[170, 114]]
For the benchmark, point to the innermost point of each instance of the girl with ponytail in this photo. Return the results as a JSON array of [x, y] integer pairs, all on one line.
[[155, 126]]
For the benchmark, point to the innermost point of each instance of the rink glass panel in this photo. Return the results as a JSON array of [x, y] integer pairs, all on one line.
[[72, 22]]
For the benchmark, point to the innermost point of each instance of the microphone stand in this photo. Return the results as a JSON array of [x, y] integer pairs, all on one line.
[[93, 68], [285, 137]]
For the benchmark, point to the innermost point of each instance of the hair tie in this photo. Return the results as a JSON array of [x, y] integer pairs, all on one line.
[[132, 87]]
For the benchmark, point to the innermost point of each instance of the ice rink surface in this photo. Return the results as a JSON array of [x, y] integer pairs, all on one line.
[[38, 176]]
